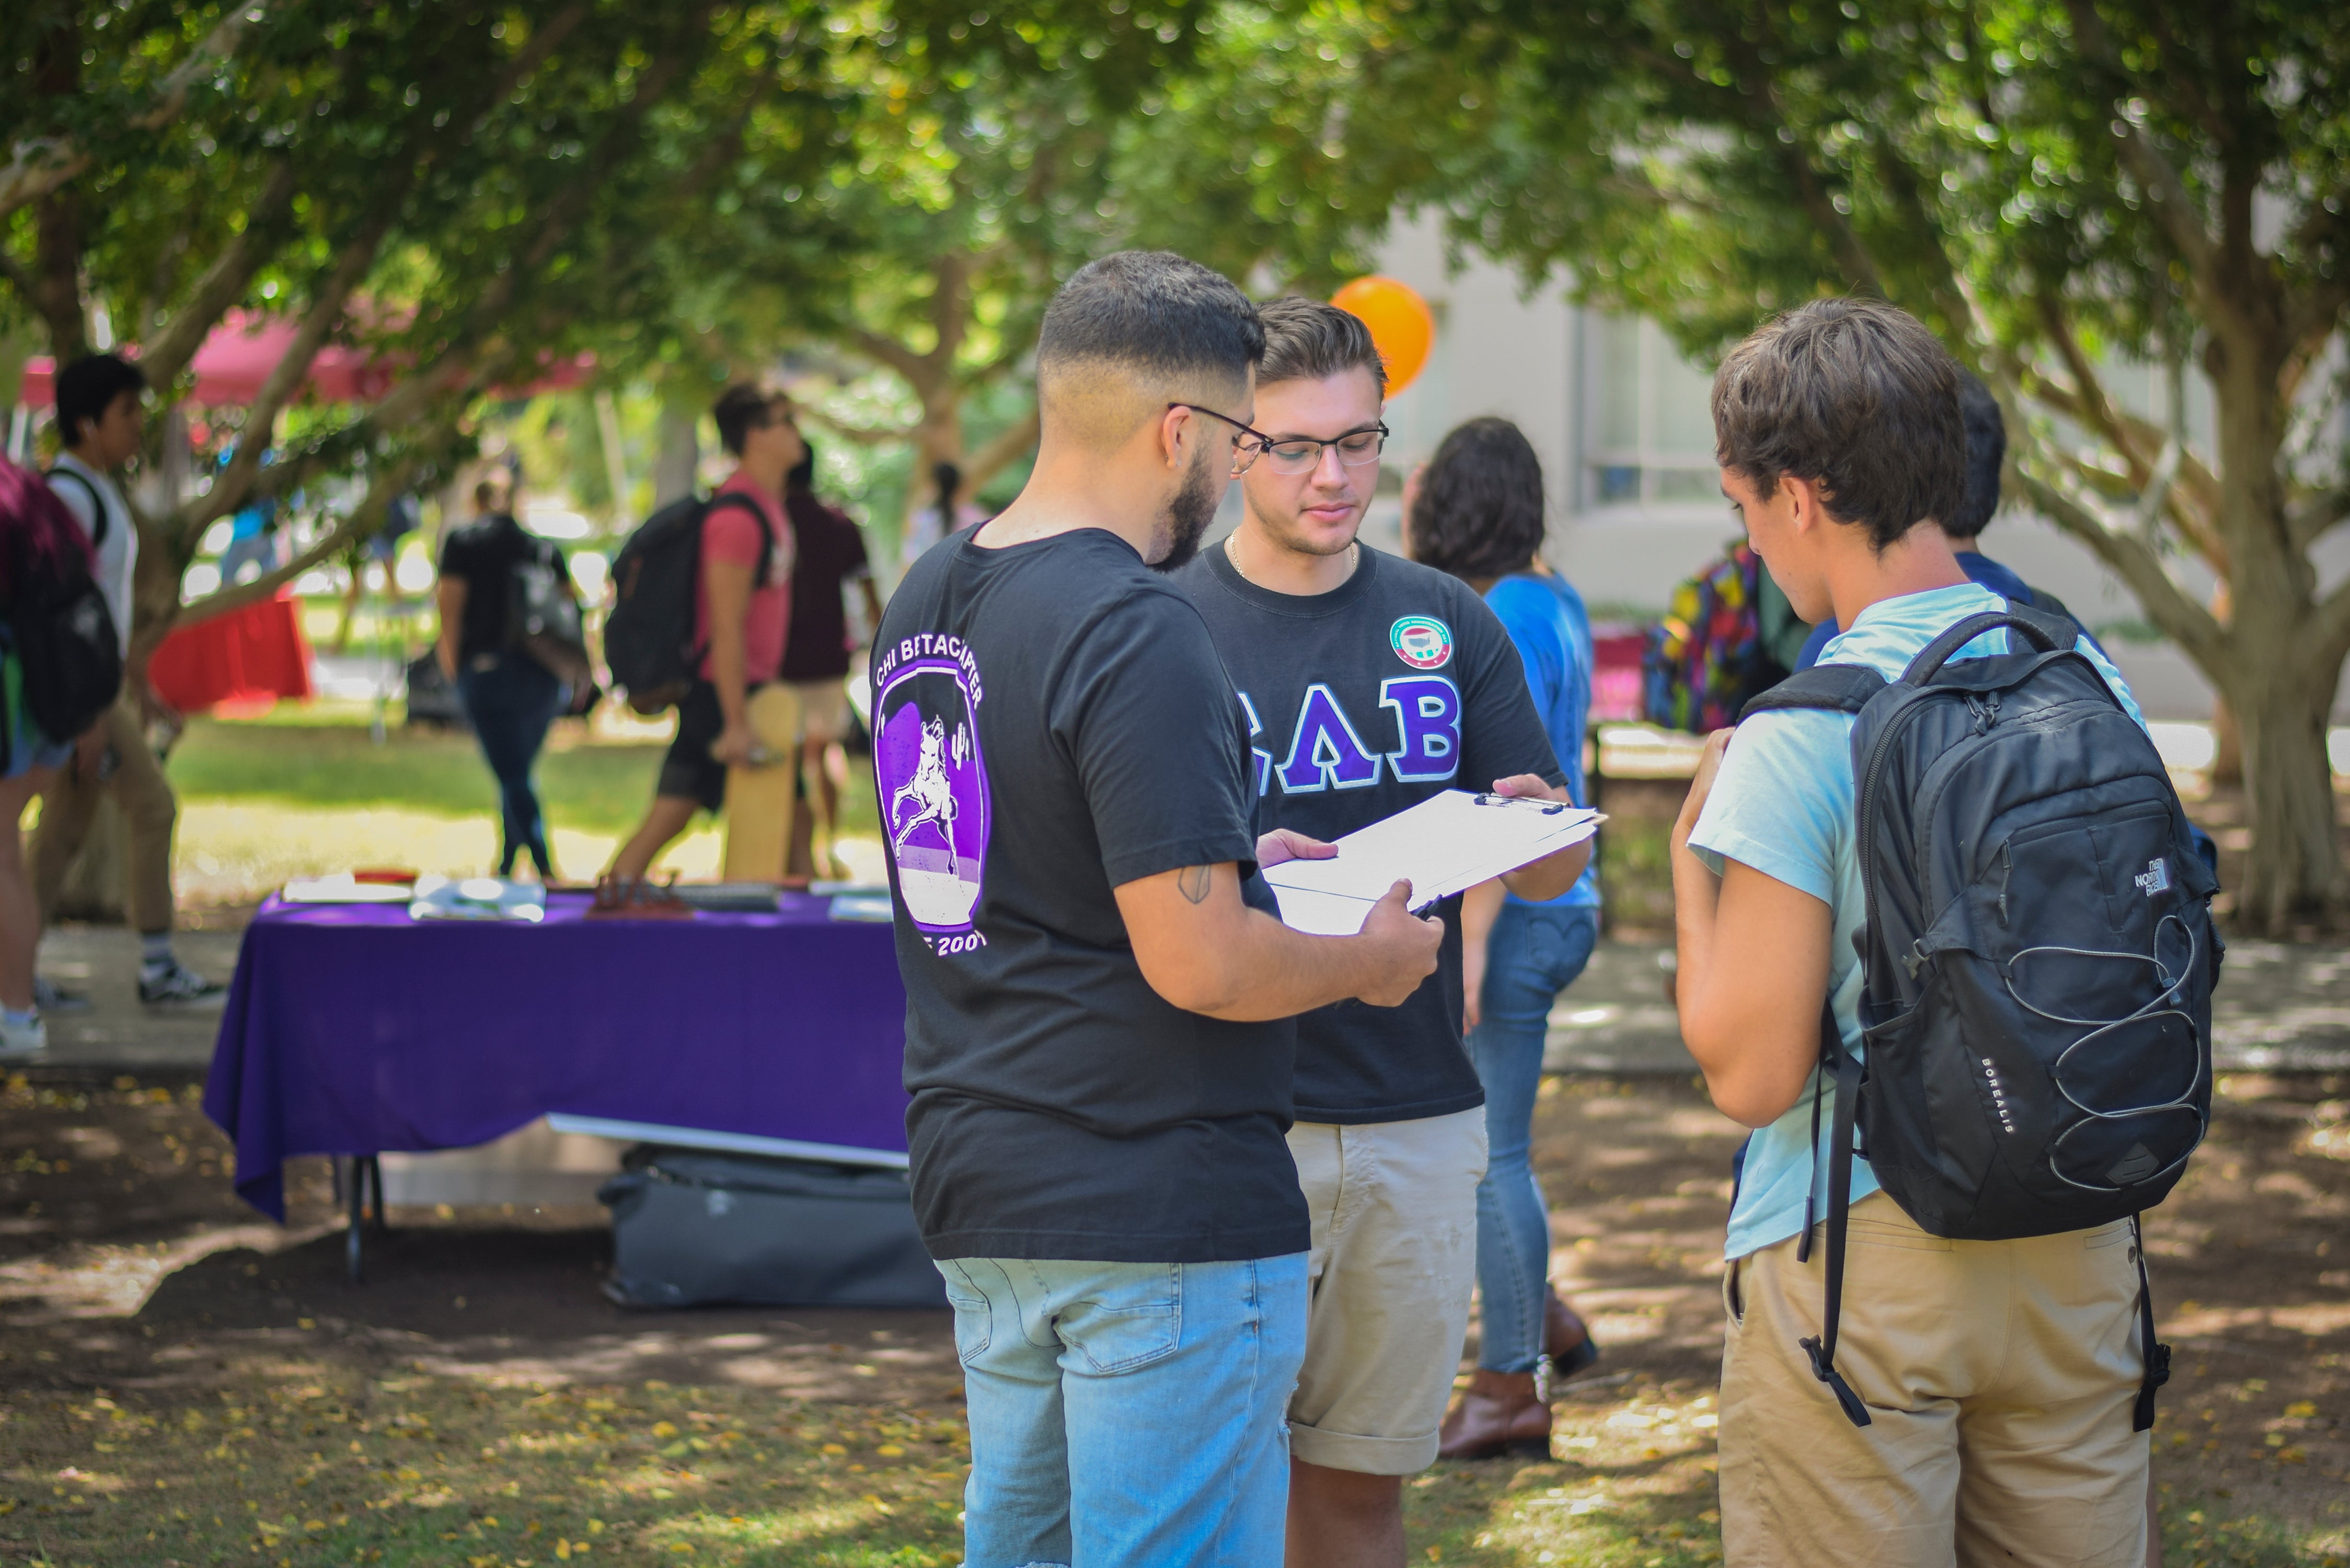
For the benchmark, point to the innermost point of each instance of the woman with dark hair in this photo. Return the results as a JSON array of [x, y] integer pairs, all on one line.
[[948, 513], [1476, 511]]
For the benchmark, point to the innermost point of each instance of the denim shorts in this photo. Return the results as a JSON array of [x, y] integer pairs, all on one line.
[[29, 748]]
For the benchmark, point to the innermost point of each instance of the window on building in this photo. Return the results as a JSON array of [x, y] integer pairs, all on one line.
[[1649, 437]]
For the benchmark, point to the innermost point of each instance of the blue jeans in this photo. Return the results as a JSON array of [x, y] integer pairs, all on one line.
[[1128, 1413], [510, 701], [1533, 953]]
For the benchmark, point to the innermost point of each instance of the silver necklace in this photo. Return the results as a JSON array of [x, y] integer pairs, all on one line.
[[1232, 554]]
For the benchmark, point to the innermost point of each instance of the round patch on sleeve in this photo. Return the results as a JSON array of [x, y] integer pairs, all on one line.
[[1422, 641]]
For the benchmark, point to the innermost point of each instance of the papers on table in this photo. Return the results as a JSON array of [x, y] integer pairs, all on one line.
[[478, 898], [1445, 844], [342, 888]]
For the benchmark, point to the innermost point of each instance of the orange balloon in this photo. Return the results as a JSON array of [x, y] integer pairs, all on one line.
[[1401, 325]]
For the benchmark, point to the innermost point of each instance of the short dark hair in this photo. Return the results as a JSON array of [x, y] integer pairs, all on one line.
[[88, 388], [743, 407], [1986, 452], [1855, 395], [1152, 311], [1306, 340], [1479, 512]]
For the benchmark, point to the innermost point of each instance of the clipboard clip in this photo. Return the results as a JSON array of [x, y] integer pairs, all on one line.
[[1547, 807]]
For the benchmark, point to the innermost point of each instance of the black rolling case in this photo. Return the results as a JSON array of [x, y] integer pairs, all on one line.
[[691, 1228]]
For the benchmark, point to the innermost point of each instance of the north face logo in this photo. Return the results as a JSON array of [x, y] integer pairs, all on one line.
[[2155, 879]]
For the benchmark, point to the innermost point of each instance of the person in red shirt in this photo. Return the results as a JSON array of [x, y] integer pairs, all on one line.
[[741, 618]]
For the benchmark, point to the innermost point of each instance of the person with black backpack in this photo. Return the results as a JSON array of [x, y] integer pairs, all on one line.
[[49, 610], [100, 420], [702, 608], [1945, 945], [489, 568]]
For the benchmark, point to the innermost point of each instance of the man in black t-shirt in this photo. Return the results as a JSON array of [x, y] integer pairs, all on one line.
[[1097, 1034], [1368, 684], [510, 698]]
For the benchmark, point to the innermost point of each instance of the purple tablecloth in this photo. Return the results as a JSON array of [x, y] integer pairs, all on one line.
[[351, 1029]]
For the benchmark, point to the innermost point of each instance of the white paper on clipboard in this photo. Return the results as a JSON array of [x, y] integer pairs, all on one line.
[[1446, 844]]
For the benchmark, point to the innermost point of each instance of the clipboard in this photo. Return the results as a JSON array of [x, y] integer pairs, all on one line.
[[1446, 844]]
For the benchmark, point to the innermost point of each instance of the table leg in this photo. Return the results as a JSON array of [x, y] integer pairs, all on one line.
[[354, 1194], [375, 1184]]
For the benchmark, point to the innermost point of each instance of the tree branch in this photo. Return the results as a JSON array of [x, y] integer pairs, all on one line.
[[862, 435], [285, 378], [39, 165], [2188, 623], [223, 282], [1001, 453], [893, 354], [360, 522]]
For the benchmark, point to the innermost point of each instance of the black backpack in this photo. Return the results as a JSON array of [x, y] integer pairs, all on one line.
[[543, 620], [649, 638], [2038, 957], [66, 647]]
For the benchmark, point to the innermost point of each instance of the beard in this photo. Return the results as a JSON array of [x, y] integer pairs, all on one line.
[[1187, 517]]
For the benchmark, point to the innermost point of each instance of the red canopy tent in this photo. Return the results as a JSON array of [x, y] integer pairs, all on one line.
[[241, 352]]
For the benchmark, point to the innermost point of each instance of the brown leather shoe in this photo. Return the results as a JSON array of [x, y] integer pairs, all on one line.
[[1499, 1414], [1567, 1340]]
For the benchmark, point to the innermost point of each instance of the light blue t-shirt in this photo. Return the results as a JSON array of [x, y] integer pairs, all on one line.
[[1545, 619], [1782, 805]]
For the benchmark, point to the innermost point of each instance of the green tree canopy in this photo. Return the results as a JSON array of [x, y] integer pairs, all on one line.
[[2063, 190]]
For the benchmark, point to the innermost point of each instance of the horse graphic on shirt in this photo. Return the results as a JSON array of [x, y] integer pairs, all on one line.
[[932, 792]]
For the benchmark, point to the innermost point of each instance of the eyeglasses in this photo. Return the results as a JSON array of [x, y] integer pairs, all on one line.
[[1247, 448], [1300, 454], [1303, 454]]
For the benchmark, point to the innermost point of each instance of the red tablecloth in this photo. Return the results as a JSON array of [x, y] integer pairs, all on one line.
[[249, 657]]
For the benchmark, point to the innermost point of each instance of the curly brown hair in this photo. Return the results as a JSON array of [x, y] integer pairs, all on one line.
[[1479, 512]]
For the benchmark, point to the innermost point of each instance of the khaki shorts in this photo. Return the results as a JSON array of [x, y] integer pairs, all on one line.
[[1999, 1378], [824, 710], [1394, 1257]]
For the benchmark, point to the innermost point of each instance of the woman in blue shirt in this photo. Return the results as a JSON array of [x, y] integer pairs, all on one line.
[[1476, 511]]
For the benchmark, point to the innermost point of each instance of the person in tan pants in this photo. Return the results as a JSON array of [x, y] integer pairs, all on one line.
[[99, 413]]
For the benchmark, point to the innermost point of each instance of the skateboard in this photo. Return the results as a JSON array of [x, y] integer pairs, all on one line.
[[759, 797]]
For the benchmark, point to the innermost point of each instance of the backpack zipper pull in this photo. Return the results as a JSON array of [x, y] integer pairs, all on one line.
[[1916, 958]]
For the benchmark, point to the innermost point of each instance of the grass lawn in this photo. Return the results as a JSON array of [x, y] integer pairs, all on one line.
[[181, 1386], [306, 789]]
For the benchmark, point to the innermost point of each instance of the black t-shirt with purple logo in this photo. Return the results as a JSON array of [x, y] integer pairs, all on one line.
[[1362, 702], [1050, 720]]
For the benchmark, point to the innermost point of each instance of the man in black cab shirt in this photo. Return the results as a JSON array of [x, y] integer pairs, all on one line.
[[1367, 684], [1098, 1034]]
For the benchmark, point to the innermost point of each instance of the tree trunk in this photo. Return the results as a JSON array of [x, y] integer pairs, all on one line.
[[2293, 873], [2275, 684], [680, 454]]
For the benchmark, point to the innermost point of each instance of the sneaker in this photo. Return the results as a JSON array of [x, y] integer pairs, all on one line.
[[28, 1043], [51, 997], [181, 986]]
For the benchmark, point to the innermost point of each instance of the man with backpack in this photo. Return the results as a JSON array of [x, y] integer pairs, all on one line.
[[740, 607], [1986, 452], [101, 422], [1955, 836]]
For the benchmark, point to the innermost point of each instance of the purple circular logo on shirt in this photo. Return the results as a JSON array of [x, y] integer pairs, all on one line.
[[933, 784]]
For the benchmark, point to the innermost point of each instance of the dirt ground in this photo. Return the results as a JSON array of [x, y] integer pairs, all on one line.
[[182, 1382]]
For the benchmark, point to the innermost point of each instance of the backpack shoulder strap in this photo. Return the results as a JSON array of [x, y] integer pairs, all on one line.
[[759, 515], [102, 519], [1839, 687]]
